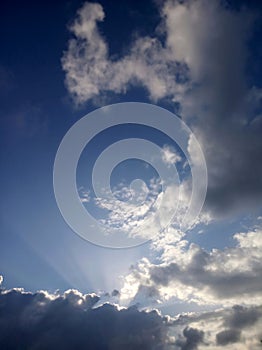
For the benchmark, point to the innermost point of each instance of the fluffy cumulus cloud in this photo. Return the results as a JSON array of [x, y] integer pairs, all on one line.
[[189, 273], [90, 71], [190, 340], [200, 65], [74, 320], [71, 321]]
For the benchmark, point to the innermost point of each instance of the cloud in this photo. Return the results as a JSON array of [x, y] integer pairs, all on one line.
[[212, 41], [1, 279], [191, 339], [242, 317], [84, 195], [71, 321], [196, 58], [115, 293], [90, 71], [189, 273], [228, 336], [130, 209], [145, 211], [170, 156], [74, 320], [218, 331]]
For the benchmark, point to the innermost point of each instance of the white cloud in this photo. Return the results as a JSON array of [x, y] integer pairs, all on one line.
[[90, 71], [84, 195], [170, 156], [152, 212], [191, 274], [130, 210]]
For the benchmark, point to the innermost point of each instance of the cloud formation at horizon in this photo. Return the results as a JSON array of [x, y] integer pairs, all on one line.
[[70, 320], [74, 320]]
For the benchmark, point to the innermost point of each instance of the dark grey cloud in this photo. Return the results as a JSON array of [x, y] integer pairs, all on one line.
[[228, 336], [224, 104], [70, 321], [239, 324], [233, 151], [115, 293], [242, 317], [238, 319], [40, 321], [192, 337]]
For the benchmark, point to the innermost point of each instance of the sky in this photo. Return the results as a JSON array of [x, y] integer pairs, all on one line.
[[154, 110]]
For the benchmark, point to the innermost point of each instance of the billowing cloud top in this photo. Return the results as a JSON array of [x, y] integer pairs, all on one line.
[[72, 321]]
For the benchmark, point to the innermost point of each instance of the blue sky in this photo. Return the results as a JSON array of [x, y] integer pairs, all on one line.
[[60, 61], [34, 125]]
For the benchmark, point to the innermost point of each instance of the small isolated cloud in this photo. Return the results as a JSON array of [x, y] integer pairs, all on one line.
[[115, 293], [191, 339], [1, 279], [84, 195], [170, 156]]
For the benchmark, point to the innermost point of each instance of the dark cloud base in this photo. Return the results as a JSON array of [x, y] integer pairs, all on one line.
[[36, 321], [40, 321]]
